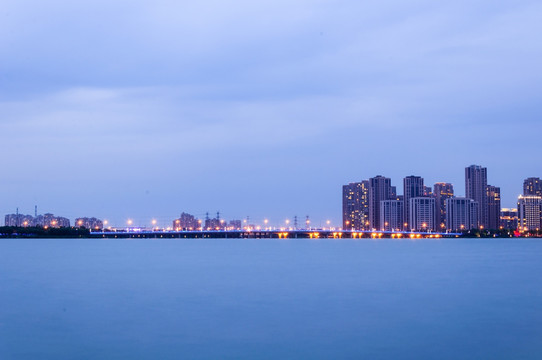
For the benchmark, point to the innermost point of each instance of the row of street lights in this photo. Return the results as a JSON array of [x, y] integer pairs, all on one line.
[[154, 222]]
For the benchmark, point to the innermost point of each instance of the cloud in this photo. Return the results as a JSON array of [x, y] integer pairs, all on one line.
[[359, 86]]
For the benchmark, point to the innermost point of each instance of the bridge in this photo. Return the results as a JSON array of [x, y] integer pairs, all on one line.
[[267, 234]]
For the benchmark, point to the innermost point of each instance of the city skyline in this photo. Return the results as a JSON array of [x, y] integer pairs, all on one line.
[[364, 204]]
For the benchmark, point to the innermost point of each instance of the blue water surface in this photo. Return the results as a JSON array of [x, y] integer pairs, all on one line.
[[271, 299]]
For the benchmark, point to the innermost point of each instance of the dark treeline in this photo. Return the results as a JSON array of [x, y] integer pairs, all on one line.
[[40, 232]]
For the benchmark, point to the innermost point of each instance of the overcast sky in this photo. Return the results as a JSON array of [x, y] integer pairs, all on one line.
[[143, 109]]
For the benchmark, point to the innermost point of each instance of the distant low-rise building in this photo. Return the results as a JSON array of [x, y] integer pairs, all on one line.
[[45, 220], [509, 219], [186, 222], [89, 223], [214, 224], [19, 220], [235, 225], [50, 220]]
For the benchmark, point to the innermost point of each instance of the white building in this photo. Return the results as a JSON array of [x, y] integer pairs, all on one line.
[[391, 215], [422, 214], [461, 214], [529, 212]]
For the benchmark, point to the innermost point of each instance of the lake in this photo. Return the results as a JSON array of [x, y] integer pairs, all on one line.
[[271, 299]]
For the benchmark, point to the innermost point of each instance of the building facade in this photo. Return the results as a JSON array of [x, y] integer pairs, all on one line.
[[532, 187], [235, 225], [89, 223], [422, 214], [186, 222], [391, 215], [509, 219], [493, 207], [50, 220], [476, 189], [380, 189], [442, 191], [412, 188], [356, 205], [19, 220], [529, 212], [461, 214]]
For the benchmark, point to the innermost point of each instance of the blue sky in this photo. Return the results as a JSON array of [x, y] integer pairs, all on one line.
[[140, 109]]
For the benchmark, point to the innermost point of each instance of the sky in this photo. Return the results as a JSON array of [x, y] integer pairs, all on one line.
[[144, 109]]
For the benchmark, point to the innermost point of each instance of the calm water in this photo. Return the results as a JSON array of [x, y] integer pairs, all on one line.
[[270, 299]]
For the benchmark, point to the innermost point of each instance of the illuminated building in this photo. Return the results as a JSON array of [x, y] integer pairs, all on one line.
[[532, 186], [235, 225], [461, 214], [214, 224], [186, 222], [355, 205], [379, 189], [391, 215], [476, 189], [49, 220], [412, 187], [18, 220], [89, 223], [427, 191], [529, 212], [422, 214], [441, 191], [493, 207], [509, 219]]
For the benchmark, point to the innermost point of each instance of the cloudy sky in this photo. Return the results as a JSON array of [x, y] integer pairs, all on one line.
[[143, 109]]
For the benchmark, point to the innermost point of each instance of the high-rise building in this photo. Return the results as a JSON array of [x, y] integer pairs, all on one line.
[[493, 207], [412, 187], [441, 191], [422, 214], [529, 212], [356, 205], [379, 189], [461, 214], [532, 186], [391, 215], [509, 219], [476, 189]]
